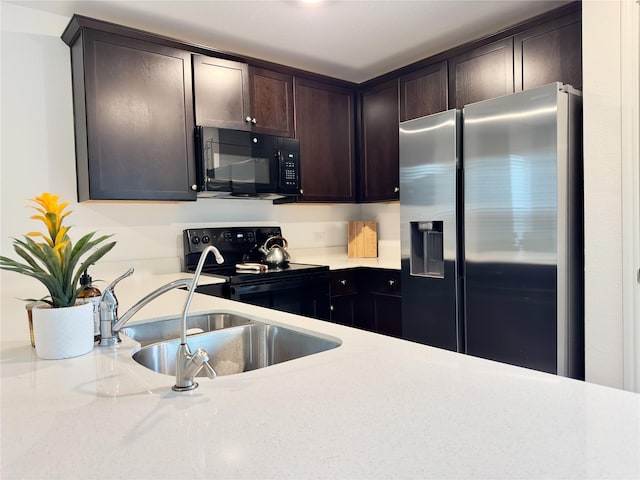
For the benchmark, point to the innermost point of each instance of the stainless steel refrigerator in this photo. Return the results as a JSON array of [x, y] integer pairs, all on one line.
[[491, 230]]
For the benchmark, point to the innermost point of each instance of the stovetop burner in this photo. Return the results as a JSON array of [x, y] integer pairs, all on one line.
[[238, 245]]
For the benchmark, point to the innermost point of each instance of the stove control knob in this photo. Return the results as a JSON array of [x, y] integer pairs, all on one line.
[[195, 240], [205, 239]]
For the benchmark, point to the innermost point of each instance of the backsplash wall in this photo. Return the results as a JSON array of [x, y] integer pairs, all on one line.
[[38, 155]]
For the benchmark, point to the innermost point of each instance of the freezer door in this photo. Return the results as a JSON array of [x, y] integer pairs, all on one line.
[[429, 150], [515, 218]]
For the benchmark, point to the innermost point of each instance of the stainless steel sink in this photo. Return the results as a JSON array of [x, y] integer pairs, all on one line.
[[169, 329], [239, 349]]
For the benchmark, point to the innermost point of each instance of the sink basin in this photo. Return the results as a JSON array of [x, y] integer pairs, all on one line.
[[239, 349], [168, 329]]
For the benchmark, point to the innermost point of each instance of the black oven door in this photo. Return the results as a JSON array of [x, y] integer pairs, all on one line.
[[306, 295]]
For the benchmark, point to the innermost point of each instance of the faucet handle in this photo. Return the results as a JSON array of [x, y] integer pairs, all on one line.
[[188, 365], [112, 285], [201, 360], [109, 312], [209, 371]]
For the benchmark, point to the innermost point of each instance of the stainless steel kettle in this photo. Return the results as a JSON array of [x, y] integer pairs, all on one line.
[[275, 254]]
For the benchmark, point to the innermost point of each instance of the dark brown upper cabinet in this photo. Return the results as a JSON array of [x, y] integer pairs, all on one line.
[[221, 90], [272, 102], [134, 105], [133, 109], [550, 52], [325, 127], [234, 95], [379, 162], [481, 73], [424, 91]]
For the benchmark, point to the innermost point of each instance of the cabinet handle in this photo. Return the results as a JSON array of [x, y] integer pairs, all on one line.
[[332, 308], [248, 119], [396, 189], [254, 121], [392, 283], [343, 282], [194, 187]]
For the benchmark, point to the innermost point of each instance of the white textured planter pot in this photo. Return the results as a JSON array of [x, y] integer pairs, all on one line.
[[63, 332]]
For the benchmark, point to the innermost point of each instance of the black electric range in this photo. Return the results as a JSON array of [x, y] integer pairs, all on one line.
[[293, 287]]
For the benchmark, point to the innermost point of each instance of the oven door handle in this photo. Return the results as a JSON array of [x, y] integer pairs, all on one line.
[[254, 288], [271, 286]]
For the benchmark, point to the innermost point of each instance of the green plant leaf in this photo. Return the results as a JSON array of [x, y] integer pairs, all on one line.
[[58, 265]]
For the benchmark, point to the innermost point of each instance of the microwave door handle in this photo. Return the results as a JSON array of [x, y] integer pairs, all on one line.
[[280, 166]]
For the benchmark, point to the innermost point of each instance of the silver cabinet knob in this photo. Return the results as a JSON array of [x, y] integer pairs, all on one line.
[[396, 189], [343, 282], [254, 121], [332, 308], [194, 187], [392, 283], [247, 119]]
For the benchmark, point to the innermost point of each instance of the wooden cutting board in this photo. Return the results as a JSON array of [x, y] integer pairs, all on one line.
[[363, 239]]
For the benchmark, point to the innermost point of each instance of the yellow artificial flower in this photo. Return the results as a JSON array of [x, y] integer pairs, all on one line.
[[52, 216]]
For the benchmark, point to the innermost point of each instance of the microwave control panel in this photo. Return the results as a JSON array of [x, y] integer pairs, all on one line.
[[289, 172]]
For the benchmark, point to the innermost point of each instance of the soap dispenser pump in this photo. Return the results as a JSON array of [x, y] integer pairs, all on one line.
[[91, 294]]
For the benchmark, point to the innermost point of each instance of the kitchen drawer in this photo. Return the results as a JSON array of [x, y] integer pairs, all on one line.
[[344, 282], [384, 281]]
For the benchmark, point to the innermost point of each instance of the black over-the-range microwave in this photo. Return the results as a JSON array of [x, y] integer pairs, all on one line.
[[237, 163]]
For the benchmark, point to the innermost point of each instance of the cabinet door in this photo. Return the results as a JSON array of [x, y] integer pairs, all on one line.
[[380, 143], [387, 314], [324, 126], [344, 297], [221, 89], [133, 109], [482, 73], [272, 102], [549, 53], [386, 301], [424, 92], [344, 309]]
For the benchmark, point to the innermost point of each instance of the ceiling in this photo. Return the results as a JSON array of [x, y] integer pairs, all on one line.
[[347, 39]]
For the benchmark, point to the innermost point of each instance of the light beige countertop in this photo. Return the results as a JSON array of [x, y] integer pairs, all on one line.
[[336, 257], [375, 407]]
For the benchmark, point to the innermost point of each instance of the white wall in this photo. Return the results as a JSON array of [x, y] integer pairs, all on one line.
[[610, 70], [37, 155]]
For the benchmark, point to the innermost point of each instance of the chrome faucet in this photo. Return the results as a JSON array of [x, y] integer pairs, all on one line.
[[189, 364], [110, 324]]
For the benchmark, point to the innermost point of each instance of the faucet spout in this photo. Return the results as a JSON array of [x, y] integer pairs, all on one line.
[[110, 324], [189, 364], [183, 282], [194, 285]]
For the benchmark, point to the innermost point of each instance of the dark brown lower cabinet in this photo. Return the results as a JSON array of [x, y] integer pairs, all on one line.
[[384, 298], [367, 298], [344, 296]]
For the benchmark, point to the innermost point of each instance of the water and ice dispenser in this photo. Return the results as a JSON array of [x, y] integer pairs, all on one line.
[[427, 249]]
